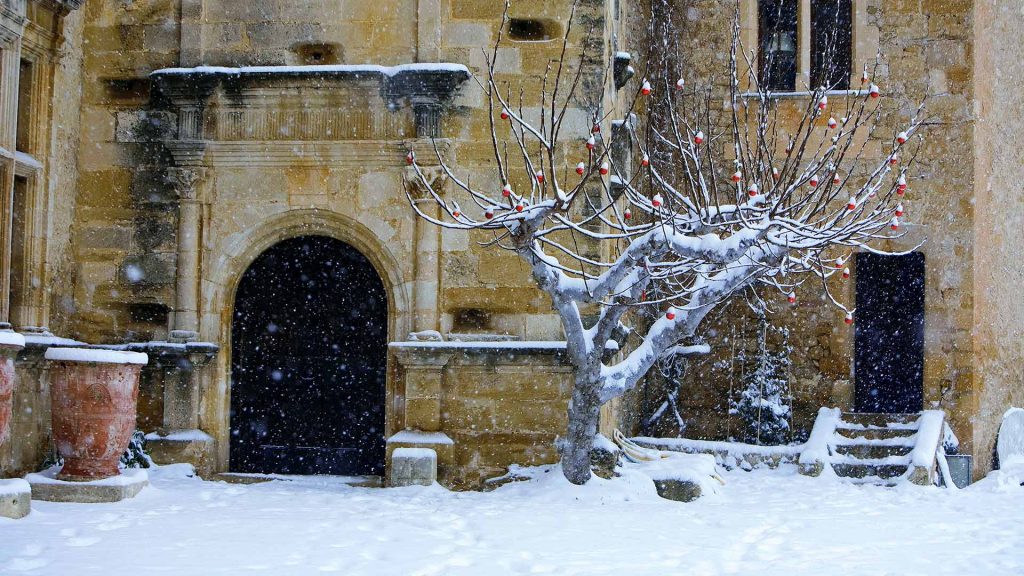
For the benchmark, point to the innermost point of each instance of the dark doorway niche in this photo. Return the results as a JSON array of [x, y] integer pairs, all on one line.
[[309, 341], [889, 340]]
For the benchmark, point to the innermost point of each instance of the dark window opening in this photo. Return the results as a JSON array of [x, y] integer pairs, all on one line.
[[831, 43], [471, 320], [530, 30], [779, 44], [136, 89], [23, 141]]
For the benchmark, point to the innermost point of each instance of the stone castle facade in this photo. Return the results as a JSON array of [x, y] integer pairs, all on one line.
[[153, 150]]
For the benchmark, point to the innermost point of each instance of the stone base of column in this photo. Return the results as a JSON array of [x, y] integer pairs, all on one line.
[[128, 484], [194, 447]]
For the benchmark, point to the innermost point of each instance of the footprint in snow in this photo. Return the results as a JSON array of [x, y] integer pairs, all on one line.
[[83, 541]]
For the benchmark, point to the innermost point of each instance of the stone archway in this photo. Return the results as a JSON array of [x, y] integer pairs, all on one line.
[[308, 368]]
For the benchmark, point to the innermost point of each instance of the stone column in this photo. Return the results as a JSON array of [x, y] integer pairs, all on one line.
[[186, 183], [427, 277]]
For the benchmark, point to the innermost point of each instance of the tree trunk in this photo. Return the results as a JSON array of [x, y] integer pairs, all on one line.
[[584, 412]]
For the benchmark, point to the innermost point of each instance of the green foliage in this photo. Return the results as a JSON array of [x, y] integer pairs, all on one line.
[[763, 404]]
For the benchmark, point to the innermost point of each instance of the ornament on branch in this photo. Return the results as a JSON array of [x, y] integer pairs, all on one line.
[[627, 214], [852, 204], [823, 103], [698, 138], [489, 213], [849, 318], [596, 129], [410, 158], [836, 179], [902, 138], [671, 315], [504, 114], [895, 223], [656, 201], [752, 190], [846, 273], [540, 177], [791, 298], [901, 185], [581, 168], [680, 84], [832, 123], [646, 88], [604, 169], [840, 262], [645, 161], [874, 92], [737, 176], [506, 190], [813, 182], [591, 143], [899, 210]]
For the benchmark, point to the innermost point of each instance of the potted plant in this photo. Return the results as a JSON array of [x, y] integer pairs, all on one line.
[[93, 395]]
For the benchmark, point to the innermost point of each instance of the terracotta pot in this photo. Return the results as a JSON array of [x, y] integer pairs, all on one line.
[[10, 344], [93, 395]]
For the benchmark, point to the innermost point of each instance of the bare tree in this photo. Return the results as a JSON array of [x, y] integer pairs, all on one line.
[[757, 201]]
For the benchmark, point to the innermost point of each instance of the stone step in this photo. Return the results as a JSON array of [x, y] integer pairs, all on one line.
[[880, 420], [874, 434], [883, 471], [872, 451], [875, 481]]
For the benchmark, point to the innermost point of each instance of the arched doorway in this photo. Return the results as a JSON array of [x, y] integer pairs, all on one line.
[[309, 342]]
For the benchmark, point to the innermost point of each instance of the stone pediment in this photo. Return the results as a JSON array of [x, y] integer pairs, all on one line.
[[308, 103]]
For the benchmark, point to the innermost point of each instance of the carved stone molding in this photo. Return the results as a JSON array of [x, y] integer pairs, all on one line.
[[435, 177], [186, 181]]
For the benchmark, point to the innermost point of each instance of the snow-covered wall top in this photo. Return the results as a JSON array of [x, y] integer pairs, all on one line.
[[94, 355], [339, 69]]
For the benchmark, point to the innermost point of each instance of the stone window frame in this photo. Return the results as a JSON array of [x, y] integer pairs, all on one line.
[[28, 310], [864, 42]]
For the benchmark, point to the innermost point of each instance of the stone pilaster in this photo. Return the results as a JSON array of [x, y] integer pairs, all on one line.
[[428, 248], [187, 183]]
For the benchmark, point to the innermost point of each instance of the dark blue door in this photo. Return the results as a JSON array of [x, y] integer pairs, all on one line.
[[889, 341], [309, 340]]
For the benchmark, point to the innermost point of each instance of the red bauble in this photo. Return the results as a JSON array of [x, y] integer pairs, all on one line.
[[519, 207], [698, 139], [627, 214], [656, 201], [506, 191], [646, 161], [410, 158], [596, 129], [646, 88], [874, 92], [852, 204], [671, 315], [456, 213], [791, 297], [752, 190], [581, 168], [846, 272], [823, 103], [832, 123], [504, 114], [848, 319], [737, 176], [899, 211], [813, 181], [902, 137], [591, 143], [540, 177], [836, 179], [894, 159], [604, 169], [489, 214], [680, 84], [895, 223]]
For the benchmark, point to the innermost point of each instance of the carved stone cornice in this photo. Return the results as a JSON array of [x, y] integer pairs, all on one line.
[[12, 23], [62, 7]]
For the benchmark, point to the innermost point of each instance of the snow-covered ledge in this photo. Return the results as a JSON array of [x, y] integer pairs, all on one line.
[[427, 87]]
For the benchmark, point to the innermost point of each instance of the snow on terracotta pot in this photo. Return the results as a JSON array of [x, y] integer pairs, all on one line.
[[10, 344], [93, 395]]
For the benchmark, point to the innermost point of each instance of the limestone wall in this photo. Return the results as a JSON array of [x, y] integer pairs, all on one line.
[[998, 315], [500, 405], [926, 48]]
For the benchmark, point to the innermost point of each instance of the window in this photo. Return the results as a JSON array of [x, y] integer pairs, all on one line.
[[831, 43], [779, 44], [805, 44]]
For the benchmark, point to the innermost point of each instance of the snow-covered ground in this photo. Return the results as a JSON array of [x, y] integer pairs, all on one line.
[[762, 522]]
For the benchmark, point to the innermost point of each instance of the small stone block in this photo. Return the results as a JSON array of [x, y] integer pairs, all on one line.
[[15, 498], [678, 490], [45, 486], [413, 467]]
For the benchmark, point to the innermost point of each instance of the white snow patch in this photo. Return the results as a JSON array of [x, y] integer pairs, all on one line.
[[96, 355], [417, 437], [817, 447], [1010, 446], [761, 523], [127, 477], [182, 436], [13, 487], [11, 339], [319, 69], [929, 434]]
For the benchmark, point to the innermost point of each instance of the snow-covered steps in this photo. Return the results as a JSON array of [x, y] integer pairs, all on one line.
[[875, 448]]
